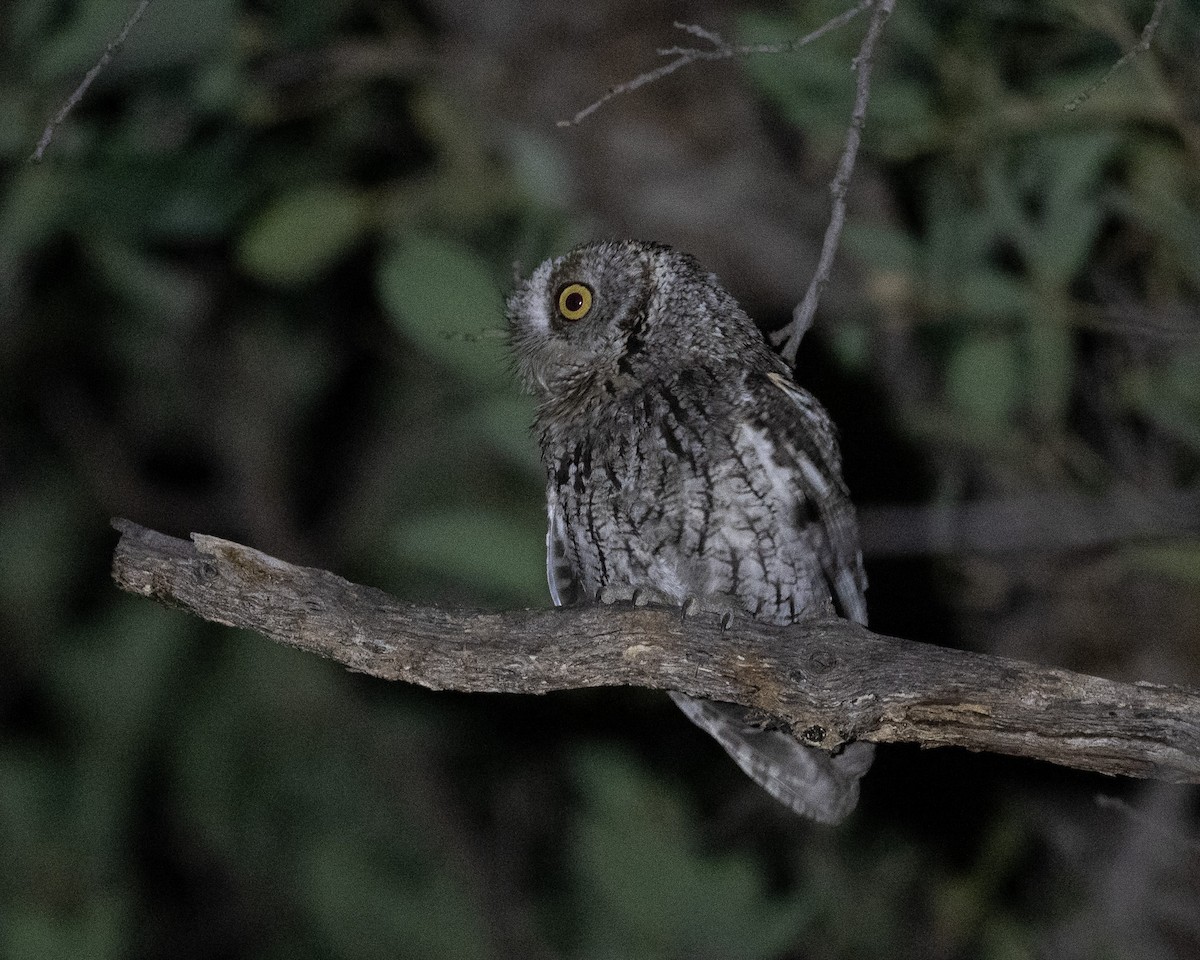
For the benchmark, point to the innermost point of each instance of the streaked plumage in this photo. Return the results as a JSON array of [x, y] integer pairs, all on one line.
[[684, 464]]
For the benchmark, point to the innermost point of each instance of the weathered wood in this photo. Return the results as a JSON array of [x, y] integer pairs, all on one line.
[[830, 681]]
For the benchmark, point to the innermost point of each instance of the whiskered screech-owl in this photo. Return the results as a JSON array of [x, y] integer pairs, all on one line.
[[684, 466]]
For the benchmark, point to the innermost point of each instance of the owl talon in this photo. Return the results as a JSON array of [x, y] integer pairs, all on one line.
[[726, 620]]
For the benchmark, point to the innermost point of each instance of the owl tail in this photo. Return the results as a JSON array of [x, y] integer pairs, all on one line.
[[814, 783]]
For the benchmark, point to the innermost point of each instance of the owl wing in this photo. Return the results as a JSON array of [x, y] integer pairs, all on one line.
[[812, 782], [812, 447], [564, 588]]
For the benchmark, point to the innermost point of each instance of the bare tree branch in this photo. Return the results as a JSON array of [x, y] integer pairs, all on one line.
[[720, 51], [77, 94], [1142, 46], [802, 317], [862, 64], [829, 681]]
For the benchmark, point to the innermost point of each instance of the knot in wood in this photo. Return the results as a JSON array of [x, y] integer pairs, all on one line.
[[822, 660]]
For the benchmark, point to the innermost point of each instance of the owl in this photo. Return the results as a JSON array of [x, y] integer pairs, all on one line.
[[685, 467]]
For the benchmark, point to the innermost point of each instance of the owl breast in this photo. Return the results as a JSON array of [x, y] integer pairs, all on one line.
[[686, 499]]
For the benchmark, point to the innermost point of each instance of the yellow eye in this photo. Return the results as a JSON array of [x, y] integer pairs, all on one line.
[[574, 301]]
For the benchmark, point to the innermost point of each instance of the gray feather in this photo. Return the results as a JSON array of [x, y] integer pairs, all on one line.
[[683, 463]]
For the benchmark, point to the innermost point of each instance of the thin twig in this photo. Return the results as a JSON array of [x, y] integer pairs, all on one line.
[[829, 681], [802, 317], [77, 94], [721, 51], [1141, 47]]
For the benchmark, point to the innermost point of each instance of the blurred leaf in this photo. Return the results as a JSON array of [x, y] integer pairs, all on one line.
[[1179, 560], [113, 679], [443, 298], [201, 193], [1166, 213], [907, 123], [467, 187], [505, 424], [31, 209], [1046, 198], [649, 890], [494, 553], [367, 905], [811, 88], [964, 905], [181, 196], [63, 887], [193, 33], [883, 246], [959, 237], [95, 929], [167, 295], [982, 379], [851, 344], [1051, 363], [306, 23], [987, 294], [231, 787], [1168, 394], [115, 671], [941, 427], [43, 529], [540, 166], [28, 23], [188, 33], [301, 235]]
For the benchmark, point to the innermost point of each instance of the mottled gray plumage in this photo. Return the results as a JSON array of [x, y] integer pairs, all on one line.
[[685, 467]]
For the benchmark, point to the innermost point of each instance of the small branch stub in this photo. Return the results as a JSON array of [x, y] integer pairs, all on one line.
[[829, 681]]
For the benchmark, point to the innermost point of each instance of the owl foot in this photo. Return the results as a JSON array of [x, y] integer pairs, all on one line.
[[638, 596], [724, 607]]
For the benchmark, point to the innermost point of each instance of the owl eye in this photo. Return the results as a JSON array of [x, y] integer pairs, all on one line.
[[574, 301]]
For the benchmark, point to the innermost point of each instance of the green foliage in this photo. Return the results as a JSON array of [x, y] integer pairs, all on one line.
[[256, 288], [651, 892], [363, 906], [496, 552], [1021, 201], [1179, 561], [443, 297], [297, 238], [981, 378], [67, 886], [321, 826]]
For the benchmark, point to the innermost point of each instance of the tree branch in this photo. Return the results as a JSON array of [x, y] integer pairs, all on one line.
[[802, 317], [1142, 46], [77, 94], [720, 51], [829, 681]]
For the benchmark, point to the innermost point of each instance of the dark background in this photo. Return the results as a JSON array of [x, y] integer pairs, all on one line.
[[255, 290]]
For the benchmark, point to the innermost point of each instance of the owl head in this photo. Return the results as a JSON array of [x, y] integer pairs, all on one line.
[[608, 316]]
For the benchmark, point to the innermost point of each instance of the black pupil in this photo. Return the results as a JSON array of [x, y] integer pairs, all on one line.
[[573, 301]]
